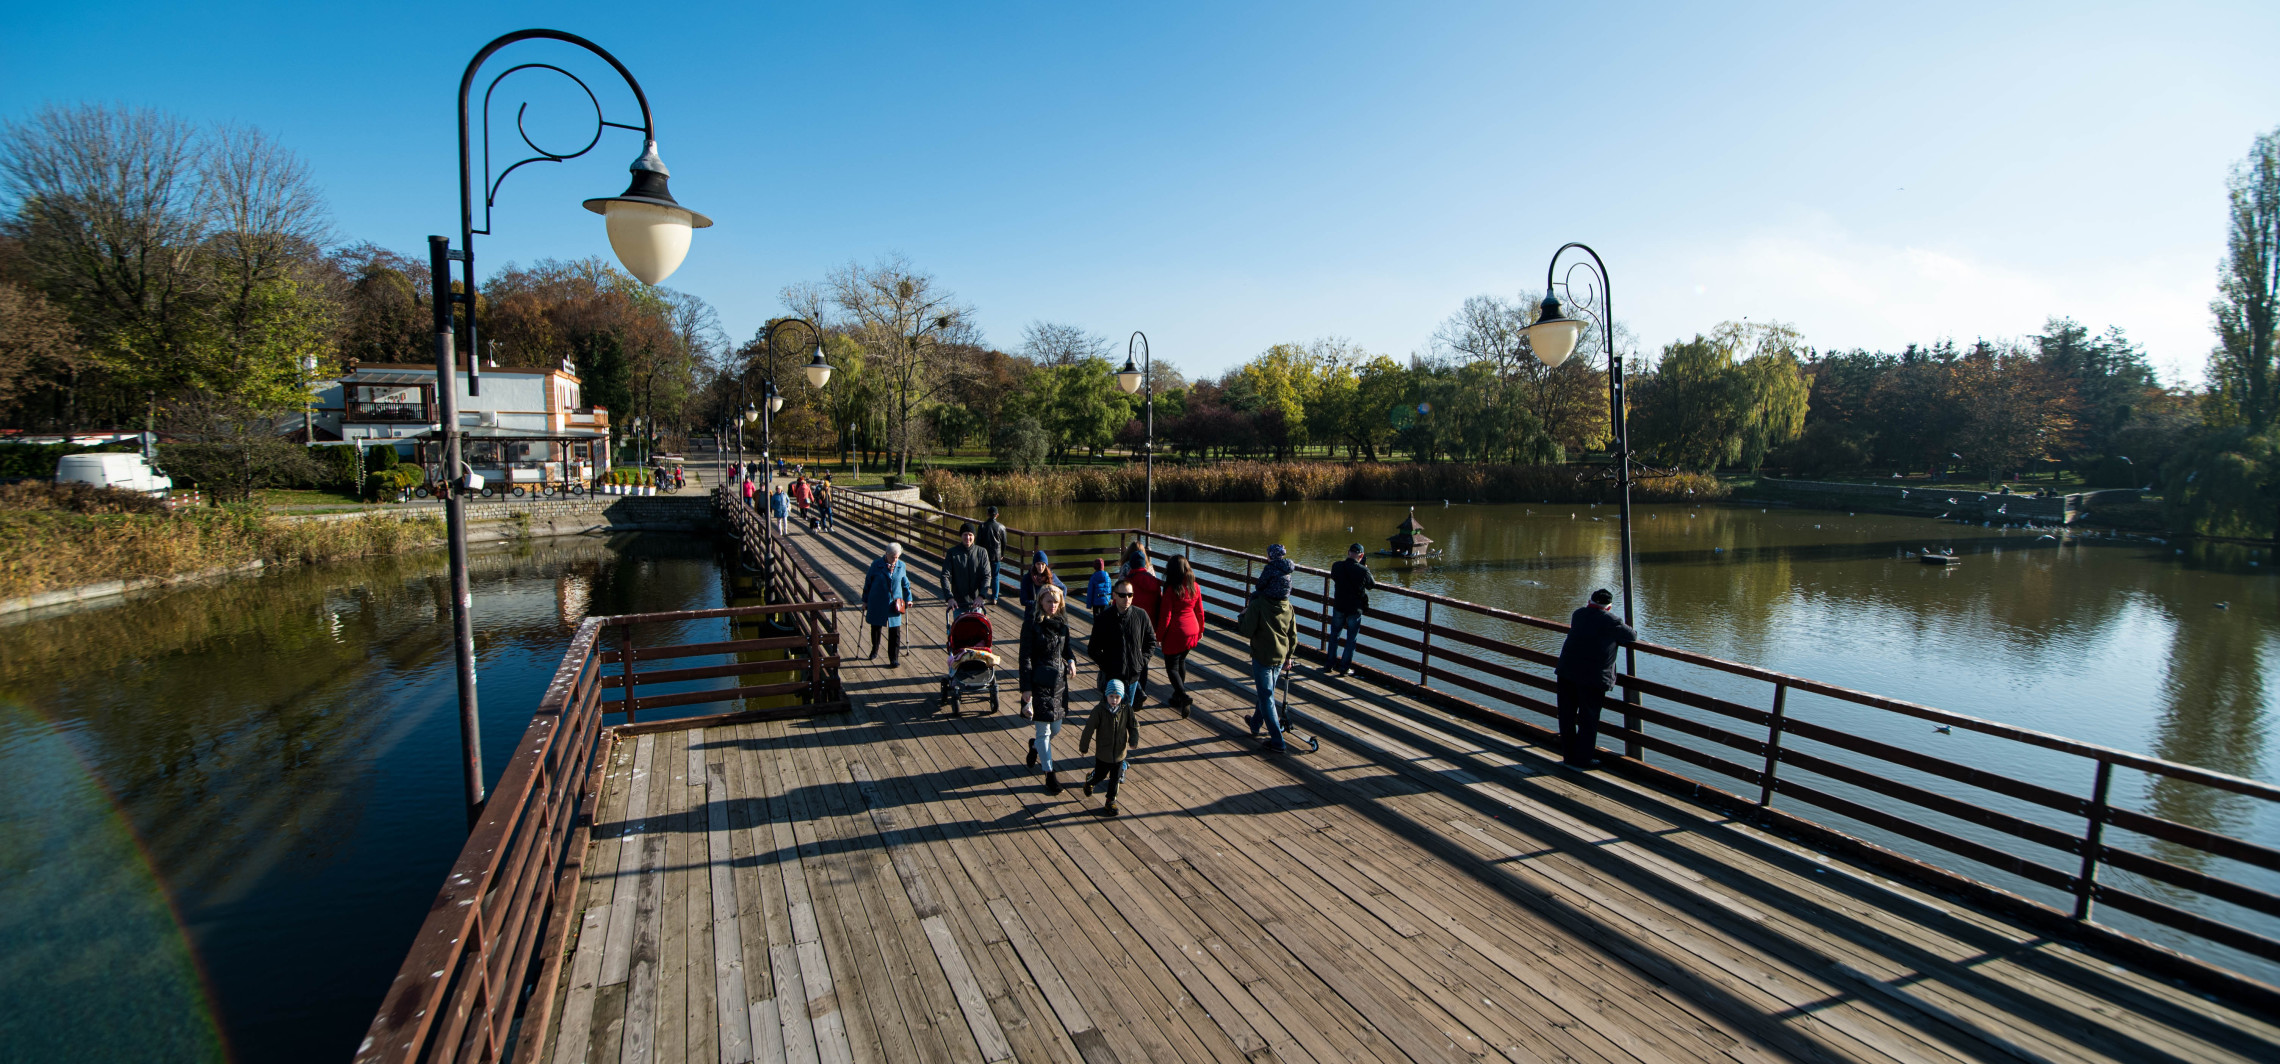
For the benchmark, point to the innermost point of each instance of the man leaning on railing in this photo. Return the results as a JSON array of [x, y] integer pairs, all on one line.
[[1586, 672]]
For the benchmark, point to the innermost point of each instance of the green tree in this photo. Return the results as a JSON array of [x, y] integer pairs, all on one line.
[[2248, 293], [2227, 483]]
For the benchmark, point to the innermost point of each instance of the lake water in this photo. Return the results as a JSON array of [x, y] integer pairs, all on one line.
[[2152, 647], [225, 809]]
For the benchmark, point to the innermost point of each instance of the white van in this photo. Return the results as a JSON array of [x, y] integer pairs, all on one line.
[[127, 472]]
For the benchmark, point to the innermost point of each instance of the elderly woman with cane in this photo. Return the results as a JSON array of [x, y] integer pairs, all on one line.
[[886, 594]]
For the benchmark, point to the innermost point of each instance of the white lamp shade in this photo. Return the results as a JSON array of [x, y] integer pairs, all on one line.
[[819, 372], [1128, 379], [751, 413], [650, 239], [1554, 340], [775, 403]]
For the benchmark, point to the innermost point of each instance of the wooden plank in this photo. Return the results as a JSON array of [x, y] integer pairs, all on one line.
[[696, 739], [788, 1005], [733, 1019], [618, 953], [971, 1001], [574, 1022], [645, 926], [824, 1005]]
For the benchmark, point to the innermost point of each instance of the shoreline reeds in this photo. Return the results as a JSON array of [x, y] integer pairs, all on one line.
[[1297, 481], [48, 550]]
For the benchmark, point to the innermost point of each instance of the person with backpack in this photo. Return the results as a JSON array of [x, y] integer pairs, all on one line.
[[1350, 583], [1272, 627], [1042, 673], [1097, 586], [1179, 621]]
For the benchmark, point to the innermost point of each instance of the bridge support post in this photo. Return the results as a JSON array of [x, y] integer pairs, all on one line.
[[1773, 742], [2086, 883]]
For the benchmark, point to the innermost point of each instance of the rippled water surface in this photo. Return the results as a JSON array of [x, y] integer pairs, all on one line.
[[224, 809]]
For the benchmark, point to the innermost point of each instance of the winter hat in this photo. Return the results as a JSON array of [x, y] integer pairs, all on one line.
[[1276, 551], [1100, 565], [1274, 580], [1038, 558], [966, 529], [1114, 690]]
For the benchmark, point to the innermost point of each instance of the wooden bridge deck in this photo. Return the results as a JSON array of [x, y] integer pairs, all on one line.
[[892, 885]]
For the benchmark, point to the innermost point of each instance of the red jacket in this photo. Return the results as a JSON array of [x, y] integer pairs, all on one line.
[[800, 492], [1146, 589], [1179, 620]]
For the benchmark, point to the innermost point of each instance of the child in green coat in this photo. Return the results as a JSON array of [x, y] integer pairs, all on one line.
[[1119, 729]]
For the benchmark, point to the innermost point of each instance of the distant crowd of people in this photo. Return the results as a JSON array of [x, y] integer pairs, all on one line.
[[1139, 616], [810, 497]]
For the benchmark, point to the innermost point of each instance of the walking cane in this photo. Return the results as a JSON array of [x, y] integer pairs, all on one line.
[[1289, 684]]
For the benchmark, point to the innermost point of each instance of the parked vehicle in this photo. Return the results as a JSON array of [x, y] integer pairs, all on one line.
[[127, 472]]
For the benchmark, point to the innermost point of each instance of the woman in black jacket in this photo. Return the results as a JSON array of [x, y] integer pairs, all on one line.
[[1044, 669]]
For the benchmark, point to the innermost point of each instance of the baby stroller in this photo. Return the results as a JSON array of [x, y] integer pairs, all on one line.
[[972, 666]]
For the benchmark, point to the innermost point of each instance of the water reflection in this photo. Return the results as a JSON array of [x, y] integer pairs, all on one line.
[[285, 748]]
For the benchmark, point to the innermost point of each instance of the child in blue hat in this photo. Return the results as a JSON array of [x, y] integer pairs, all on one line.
[[1119, 729]]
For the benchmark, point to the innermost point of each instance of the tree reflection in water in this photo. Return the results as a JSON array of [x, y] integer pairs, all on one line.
[[286, 748]]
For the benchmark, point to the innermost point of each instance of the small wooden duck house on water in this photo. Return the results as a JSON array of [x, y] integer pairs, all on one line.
[[1409, 541]]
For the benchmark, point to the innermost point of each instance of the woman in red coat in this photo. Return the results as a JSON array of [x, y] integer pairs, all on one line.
[[1145, 586], [1179, 626]]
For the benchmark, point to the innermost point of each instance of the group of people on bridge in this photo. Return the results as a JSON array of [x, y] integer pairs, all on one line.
[[810, 497], [1139, 616]]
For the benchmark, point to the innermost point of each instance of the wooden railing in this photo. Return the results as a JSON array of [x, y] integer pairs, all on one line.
[[479, 982], [2051, 850]]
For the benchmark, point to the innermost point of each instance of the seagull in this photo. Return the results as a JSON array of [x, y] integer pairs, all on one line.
[[1943, 729], [2005, 508], [2224, 605], [1945, 515], [1951, 500], [1903, 491]]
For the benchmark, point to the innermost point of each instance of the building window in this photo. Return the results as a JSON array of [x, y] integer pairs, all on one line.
[[388, 402]]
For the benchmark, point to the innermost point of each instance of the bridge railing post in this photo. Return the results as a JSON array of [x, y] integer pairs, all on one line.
[[625, 650], [1425, 651], [1773, 742], [2093, 838]]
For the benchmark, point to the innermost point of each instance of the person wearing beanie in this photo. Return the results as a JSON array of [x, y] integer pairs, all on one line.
[[1042, 674], [965, 571], [1350, 582], [1272, 627], [1145, 585], [1117, 723], [1586, 673], [1037, 577], [991, 537], [1274, 577], [1097, 586]]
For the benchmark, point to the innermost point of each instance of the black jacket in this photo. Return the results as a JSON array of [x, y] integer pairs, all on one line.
[[1122, 639], [991, 537], [1350, 584], [1588, 656], [966, 572], [1043, 668]]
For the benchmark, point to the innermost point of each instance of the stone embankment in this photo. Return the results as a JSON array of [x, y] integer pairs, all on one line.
[[498, 520]]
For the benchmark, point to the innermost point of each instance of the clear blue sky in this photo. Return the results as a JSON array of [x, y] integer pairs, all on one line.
[[1227, 176]]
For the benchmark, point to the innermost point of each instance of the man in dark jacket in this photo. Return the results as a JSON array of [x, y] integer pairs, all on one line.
[[992, 541], [965, 570], [1122, 639], [1585, 673], [1350, 584]]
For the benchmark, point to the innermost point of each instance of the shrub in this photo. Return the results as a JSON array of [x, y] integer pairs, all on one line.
[[383, 484], [232, 472]]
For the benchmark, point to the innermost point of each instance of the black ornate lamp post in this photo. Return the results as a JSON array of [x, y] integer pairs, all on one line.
[[648, 230], [818, 373], [1553, 337], [1131, 379]]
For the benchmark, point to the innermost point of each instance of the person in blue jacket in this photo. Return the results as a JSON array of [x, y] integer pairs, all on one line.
[[779, 507], [1097, 587], [886, 594]]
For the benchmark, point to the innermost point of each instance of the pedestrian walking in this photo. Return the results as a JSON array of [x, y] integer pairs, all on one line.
[[1123, 639], [1098, 585], [992, 538], [965, 570], [802, 493], [1044, 668], [779, 506], [1145, 586], [1037, 577], [1272, 627], [1350, 584], [886, 595], [1117, 723], [823, 498], [748, 490], [1179, 621], [1586, 673]]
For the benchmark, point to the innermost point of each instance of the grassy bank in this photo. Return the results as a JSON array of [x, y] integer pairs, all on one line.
[[52, 549], [1285, 481]]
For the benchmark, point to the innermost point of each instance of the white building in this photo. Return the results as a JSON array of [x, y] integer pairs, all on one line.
[[528, 426]]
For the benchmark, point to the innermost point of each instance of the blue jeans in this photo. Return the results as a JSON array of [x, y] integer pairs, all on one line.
[[1266, 676], [1044, 742], [1345, 632]]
